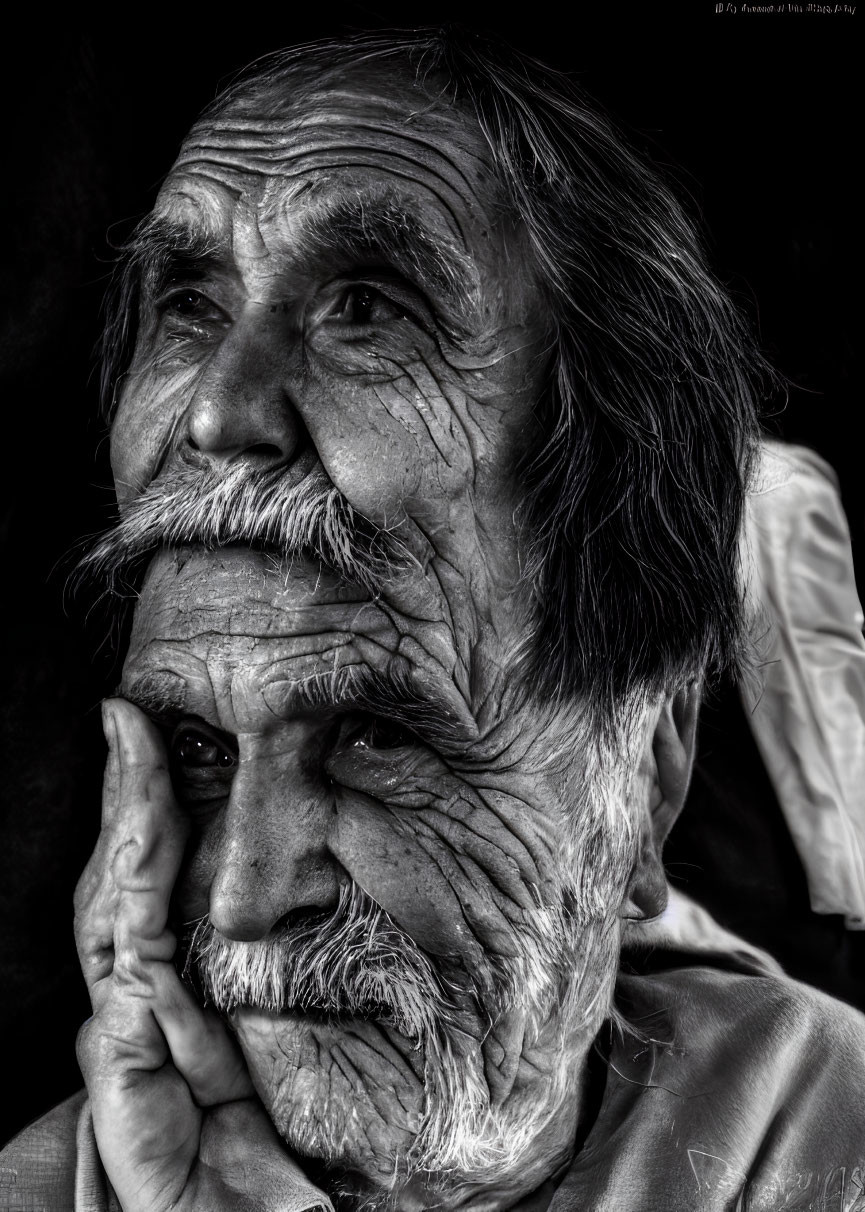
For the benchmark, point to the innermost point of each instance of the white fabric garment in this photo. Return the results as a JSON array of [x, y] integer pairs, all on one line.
[[806, 700]]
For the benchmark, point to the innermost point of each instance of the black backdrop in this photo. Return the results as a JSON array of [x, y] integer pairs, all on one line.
[[752, 115]]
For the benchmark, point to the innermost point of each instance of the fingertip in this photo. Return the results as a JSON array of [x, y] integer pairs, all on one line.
[[138, 738], [109, 724]]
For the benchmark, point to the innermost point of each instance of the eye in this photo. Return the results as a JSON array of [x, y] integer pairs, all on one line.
[[192, 748], [375, 732], [186, 303], [189, 304], [363, 305]]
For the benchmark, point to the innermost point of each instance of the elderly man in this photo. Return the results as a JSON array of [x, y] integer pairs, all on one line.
[[433, 441]]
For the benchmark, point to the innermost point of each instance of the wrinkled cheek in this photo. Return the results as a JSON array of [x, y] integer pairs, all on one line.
[[392, 868], [147, 424], [388, 445]]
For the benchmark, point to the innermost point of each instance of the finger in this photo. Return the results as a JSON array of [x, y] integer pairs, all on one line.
[[145, 869], [144, 1119], [122, 1037], [137, 803], [94, 928], [137, 857], [96, 895], [144, 872], [198, 1041], [148, 840], [111, 778]]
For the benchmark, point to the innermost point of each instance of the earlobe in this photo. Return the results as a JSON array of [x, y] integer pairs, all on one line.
[[665, 774]]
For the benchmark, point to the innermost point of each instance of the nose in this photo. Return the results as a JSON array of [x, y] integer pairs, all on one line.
[[240, 411], [272, 858]]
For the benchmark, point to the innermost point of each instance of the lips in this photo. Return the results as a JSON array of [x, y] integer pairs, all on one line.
[[261, 1031]]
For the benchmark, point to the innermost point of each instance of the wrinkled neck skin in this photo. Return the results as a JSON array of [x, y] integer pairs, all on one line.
[[480, 826]]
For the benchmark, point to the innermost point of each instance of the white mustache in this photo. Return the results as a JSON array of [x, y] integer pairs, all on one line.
[[254, 508], [354, 962]]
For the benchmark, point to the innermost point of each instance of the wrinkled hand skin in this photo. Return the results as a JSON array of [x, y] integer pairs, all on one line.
[[174, 1112], [418, 412]]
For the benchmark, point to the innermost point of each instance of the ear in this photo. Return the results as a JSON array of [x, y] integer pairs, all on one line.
[[662, 783]]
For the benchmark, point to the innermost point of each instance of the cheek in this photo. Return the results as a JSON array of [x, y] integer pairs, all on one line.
[[387, 861], [389, 444], [341, 1092], [463, 889], [151, 408]]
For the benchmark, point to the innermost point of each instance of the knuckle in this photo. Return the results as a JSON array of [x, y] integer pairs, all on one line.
[[93, 929], [95, 964]]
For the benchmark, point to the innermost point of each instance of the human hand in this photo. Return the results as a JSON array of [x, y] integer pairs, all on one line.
[[175, 1116]]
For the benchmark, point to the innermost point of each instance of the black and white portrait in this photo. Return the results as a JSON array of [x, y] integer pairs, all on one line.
[[434, 714]]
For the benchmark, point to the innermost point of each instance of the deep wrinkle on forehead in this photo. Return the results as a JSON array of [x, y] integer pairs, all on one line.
[[344, 229], [437, 147], [167, 682], [340, 173]]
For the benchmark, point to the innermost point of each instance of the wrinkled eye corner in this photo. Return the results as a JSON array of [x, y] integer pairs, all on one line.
[[197, 748]]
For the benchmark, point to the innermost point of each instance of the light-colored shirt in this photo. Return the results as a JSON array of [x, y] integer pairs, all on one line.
[[738, 1090]]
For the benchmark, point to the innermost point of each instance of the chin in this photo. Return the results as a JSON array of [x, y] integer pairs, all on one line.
[[381, 1125], [347, 1092]]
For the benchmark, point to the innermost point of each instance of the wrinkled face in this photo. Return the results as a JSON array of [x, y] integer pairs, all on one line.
[[412, 926], [338, 287], [334, 294]]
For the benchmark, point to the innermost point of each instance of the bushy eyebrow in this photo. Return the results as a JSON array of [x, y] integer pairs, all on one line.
[[163, 250], [160, 695], [365, 231], [396, 696], [371, 229]]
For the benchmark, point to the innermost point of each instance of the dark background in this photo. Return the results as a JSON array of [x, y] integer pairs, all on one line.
[[750, 114]]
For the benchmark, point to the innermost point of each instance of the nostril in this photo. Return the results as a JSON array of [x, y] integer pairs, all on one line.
[[264, 450], [265, 439]]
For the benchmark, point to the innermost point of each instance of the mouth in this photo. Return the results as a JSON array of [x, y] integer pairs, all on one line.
[[335, 1017], [328, 1028]]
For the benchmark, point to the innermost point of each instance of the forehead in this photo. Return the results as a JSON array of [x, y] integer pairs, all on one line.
[[237, 595], [282, 151], [210, 630]]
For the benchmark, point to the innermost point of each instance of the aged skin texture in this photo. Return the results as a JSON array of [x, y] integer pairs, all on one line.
[[353, 299]]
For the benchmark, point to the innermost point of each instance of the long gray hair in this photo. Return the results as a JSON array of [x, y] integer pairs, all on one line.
[[647, 427]]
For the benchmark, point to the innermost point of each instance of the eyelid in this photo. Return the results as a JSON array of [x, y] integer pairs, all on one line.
[[393, 287], [162, 301], [407, 738], [193, 724]]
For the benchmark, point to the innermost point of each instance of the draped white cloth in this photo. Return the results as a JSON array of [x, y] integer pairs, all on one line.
[[805, 701]]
